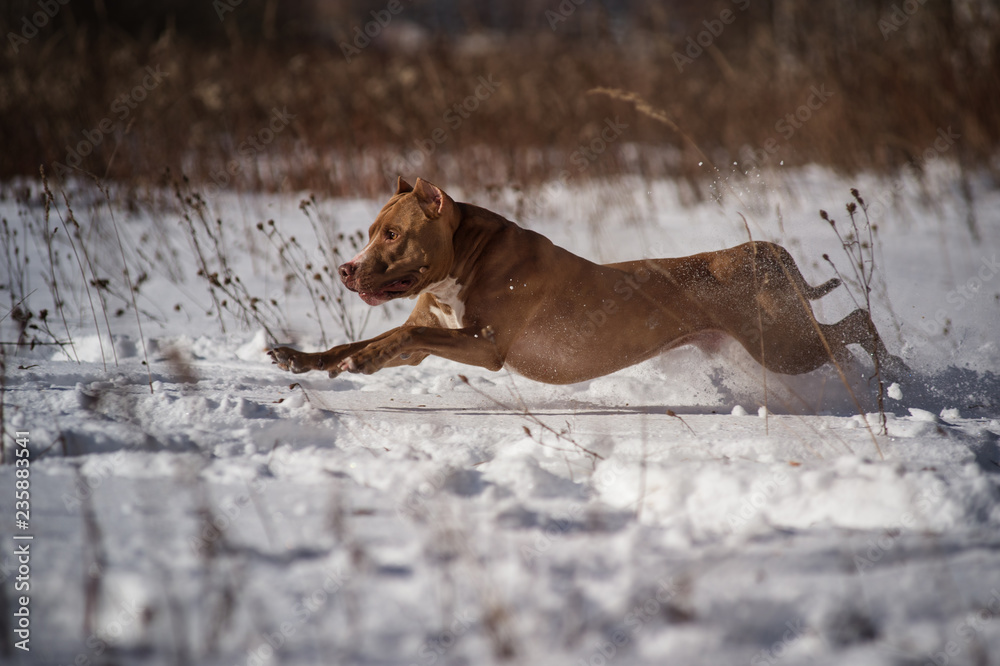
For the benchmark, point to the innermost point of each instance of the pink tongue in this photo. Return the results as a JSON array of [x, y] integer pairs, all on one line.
[[370, 298]]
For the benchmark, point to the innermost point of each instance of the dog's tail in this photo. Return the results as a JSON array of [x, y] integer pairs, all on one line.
[[812, 293]]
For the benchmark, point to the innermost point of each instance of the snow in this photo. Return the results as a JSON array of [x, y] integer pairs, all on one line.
[[237, 514], [894, 391]]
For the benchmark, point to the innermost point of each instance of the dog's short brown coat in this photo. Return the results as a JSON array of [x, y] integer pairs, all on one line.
[[493, 294]]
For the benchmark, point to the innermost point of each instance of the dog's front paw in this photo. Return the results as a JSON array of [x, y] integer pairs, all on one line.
[[292, 360]]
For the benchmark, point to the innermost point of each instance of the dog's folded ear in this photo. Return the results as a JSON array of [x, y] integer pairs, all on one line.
[[402, 187], [430, 198]]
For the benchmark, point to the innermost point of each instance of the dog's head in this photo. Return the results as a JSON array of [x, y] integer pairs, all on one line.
[[409, 245]]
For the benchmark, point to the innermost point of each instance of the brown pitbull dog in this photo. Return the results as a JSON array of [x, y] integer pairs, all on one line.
[[493, 294]]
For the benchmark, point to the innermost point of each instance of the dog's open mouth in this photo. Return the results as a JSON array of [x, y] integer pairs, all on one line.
[[386, 292]]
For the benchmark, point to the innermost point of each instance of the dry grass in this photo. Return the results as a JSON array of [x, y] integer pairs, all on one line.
[[858, 242], [94, 273], [356, 124]]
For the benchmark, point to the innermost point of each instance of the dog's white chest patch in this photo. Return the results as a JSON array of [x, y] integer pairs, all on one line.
[[449, 308]]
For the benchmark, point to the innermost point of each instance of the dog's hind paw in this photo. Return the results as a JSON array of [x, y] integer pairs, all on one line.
[[894, 369]]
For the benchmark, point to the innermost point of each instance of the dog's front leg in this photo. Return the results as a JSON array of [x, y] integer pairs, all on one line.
[[470, 345], [296, 361]]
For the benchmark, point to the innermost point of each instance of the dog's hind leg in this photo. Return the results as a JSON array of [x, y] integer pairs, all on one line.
[[858, 328]]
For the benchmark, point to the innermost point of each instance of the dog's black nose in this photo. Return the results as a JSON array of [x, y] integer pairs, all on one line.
[[347, 270]]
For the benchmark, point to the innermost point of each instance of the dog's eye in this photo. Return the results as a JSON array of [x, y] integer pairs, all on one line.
[[391, 235]]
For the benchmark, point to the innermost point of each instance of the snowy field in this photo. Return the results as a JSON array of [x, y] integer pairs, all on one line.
[[203, 509]]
